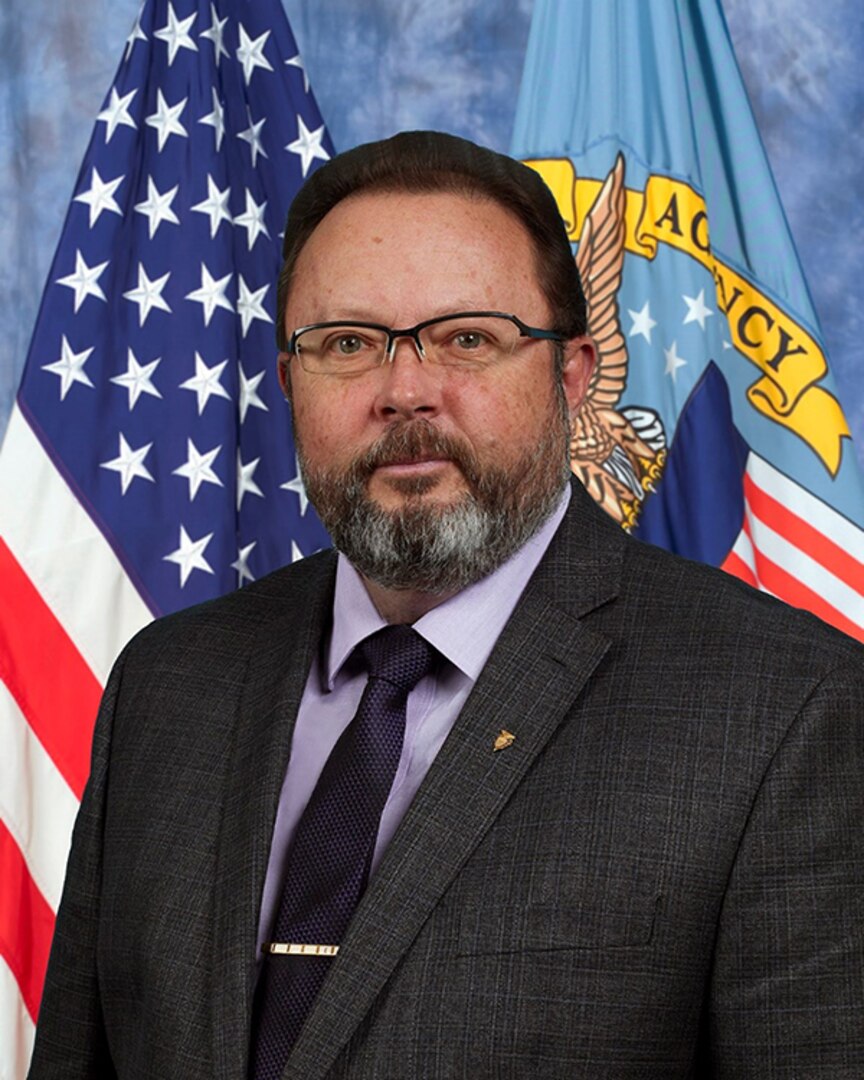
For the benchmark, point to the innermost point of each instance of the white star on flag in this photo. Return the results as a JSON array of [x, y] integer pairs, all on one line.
[[297, 486], [148, 294], [296, 553], [136, 379], [216, 32], [189, 555], [166, 120], [252, 135], [250, 305], [642, 322], [129, 464], [117, 113], [157, 207], [100, 196], [211, 294], [245, 483], [697, 309], [216, 119], [198, 468], [252, 219], [70, 368], [251, 53], [296, 62], [241, 564], [673, 361], [206, 382], [249, 398], [85, 281], [307, 145], [136, 34], [216, 205], [175, 34]]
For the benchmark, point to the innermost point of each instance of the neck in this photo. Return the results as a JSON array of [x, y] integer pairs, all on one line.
[[403, 605]]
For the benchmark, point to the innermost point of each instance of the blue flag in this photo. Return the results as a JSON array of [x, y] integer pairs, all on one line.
[[712, 424]]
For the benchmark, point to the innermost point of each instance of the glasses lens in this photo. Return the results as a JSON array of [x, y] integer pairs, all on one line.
[[346, 348], [469, 339]]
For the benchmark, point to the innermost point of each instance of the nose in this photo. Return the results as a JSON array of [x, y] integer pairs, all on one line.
[[410, 387]]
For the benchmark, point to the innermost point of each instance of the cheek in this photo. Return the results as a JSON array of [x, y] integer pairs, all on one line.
[[310, 421], [327, 423], [509, 410]]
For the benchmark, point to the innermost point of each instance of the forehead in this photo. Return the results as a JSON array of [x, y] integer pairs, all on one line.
[[392, 255]]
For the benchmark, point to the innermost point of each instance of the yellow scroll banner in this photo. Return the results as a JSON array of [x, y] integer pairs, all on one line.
[[670, 212]]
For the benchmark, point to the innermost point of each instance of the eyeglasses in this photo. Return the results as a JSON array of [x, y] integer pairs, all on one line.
[[468, 339]]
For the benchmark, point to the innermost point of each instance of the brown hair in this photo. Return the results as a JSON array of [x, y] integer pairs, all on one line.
[[431, 161]]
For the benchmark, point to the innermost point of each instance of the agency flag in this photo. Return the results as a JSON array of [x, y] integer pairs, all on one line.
[[148, 462], [712, 424]]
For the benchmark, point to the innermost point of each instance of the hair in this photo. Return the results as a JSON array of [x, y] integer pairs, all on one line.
[[431, 161]]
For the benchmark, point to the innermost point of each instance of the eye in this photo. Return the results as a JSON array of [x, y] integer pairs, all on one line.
[[465, 339], [469, 340], [346, 343]]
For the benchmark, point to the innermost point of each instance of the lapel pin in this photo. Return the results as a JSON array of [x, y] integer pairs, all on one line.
[[504, 740]]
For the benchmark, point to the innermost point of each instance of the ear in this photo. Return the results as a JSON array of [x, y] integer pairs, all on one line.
[[580, 359], [283, 373]]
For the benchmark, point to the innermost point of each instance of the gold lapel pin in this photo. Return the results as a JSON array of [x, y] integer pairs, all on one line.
[[504, 740]]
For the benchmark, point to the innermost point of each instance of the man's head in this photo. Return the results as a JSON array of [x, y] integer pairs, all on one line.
[[432, 161], [429, 472]]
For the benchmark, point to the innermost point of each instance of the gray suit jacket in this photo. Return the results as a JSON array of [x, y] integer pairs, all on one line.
[[661, 877]]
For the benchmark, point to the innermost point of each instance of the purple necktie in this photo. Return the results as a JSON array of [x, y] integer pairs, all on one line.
[[328, 864]]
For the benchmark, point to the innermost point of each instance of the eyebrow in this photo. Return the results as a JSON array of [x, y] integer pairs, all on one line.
[[352, 314]]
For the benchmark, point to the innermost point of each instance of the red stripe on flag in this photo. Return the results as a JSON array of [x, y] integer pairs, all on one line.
[[787, 587], [50, 680], [26, 923], [735, 565], [804, 536]]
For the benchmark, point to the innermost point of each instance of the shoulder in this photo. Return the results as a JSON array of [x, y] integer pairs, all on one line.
[[738, 664], [674, 625], [710, 607], [282, 601], [687, 604]]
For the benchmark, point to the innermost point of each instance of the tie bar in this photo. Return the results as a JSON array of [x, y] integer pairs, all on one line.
[[296, 948]]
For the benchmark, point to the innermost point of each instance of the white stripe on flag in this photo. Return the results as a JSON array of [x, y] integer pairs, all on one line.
[[36, 804], [64, 554], [17, 1030], [823, 517], [805, 569], [744, 550]]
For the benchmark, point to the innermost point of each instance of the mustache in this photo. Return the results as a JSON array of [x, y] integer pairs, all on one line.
[[415, 440]]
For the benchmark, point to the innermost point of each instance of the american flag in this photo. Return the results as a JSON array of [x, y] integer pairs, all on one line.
[[148, 463]]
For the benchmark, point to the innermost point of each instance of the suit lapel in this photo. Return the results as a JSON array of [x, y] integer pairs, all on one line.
[[537, 669], [292, 622]]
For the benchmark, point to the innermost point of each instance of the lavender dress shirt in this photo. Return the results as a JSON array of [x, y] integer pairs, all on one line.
[[463, 629]]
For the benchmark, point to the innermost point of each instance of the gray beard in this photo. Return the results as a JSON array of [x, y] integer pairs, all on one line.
[[440, 549]]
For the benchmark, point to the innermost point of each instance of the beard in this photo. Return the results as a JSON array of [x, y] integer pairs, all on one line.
[[434, 548]]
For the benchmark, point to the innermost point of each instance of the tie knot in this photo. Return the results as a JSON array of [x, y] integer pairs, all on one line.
[[399, 655]]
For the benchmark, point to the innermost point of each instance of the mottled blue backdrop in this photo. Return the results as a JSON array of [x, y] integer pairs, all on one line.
[[383, 65]]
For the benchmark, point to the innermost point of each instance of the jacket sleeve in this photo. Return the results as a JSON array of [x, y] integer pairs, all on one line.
[[787, 987], [70, 1036]]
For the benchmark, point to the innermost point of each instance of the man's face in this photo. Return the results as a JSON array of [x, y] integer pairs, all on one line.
[[413, 440]]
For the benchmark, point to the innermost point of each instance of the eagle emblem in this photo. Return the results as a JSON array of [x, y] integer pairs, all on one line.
[[617, 453]]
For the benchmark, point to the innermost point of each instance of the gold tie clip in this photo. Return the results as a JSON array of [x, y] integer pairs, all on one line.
[[296, 948]]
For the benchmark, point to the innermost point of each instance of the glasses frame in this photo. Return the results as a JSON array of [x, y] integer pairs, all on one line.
[[413, 332]]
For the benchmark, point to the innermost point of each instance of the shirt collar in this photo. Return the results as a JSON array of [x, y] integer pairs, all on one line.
[[463, 628]]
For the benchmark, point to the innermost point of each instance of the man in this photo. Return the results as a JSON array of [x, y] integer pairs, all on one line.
[[623, 836]]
